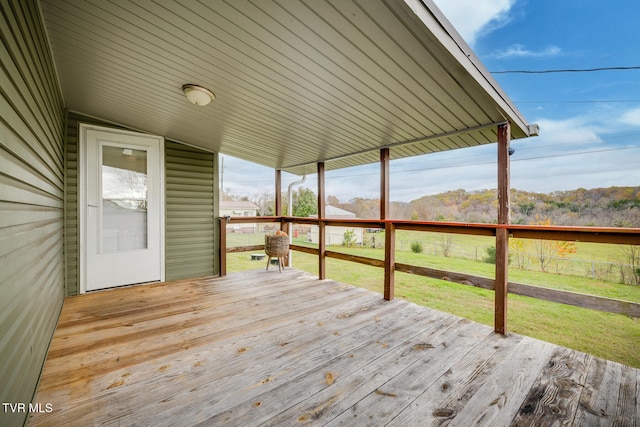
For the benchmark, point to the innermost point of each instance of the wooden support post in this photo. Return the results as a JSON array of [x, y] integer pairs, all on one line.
[[384, 184], [223, 247], [278, 192], [502, 233], [284, 227], [502, 278], [389, 228], [322, 270], [389, 260]]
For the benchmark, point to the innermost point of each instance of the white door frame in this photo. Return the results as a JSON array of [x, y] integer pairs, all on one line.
[[83, 195]]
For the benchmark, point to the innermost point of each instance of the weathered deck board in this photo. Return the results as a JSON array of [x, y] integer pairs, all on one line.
[[264, 348]]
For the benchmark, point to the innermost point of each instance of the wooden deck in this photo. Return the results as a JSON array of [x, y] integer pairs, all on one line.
[[269, 348]]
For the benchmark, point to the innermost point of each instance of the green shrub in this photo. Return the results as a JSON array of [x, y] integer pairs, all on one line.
[[416, 247], [349, 238], [491, 255]]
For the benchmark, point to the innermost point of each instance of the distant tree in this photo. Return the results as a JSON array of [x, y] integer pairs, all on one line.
[[441, 218], [622, 222], [520, 249], [265, 202], [526, 208], [446, 242], [630, 270], [305, 202], [333, 201], [401, 210], [549, 251]]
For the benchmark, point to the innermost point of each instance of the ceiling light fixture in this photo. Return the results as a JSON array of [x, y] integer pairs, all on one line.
[[197, 94]]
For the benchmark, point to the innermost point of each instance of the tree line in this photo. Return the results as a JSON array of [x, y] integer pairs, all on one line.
[[605, 207]]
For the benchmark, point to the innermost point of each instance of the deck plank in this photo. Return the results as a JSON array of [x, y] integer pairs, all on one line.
[[321, 368], [171, 334], [266, 348], [609, 396], [303, 347], [431, 373], [498, 399], [555, 396]]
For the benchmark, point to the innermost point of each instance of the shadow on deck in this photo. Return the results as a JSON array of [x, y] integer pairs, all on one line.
[[269, 348]]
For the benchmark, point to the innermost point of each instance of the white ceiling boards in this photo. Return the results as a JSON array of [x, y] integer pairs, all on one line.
[[296, 82]]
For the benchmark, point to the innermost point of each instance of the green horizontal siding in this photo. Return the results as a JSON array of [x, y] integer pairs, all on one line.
[[190, 232], [190, 211], [31, 203]]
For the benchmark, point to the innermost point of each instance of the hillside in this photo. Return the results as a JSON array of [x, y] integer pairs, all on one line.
[[607, 207]]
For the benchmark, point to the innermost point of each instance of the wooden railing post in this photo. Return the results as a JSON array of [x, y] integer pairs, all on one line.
[[223, 247], [278, 185], [384, 184], [322, 269], [389, 260], [502, 233], [389, 227]]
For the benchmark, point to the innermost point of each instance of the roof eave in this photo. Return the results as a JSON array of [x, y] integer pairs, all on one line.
[[430, 15]]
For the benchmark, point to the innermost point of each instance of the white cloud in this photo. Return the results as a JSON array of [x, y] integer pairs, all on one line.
[[631, 117], [575, 130], [594, 149], [473, 18], [520, 51]]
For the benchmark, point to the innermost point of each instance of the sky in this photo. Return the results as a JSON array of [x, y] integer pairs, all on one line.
[[589, 121]]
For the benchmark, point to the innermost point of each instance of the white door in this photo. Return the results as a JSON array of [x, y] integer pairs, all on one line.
[[121, 208]]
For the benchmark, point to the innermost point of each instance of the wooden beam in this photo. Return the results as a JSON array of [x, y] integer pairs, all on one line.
[[502, 280], [389, 260], [322, 269], [286, 227], [249, 248], [278, 192], [384, 184], [217, 197], [305, 249], [222, 256], [449, 276], [502, 234], [355, 258], [504, 204], [389, 227]]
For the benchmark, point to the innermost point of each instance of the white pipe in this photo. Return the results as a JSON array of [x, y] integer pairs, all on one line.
[[290, 213]]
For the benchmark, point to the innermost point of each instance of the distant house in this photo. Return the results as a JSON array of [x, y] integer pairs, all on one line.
[[239, 208], [335, 235]]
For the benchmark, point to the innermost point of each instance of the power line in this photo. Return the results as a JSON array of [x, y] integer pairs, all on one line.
[[568, 70], [489, 162], [608, 101], [575, 153]]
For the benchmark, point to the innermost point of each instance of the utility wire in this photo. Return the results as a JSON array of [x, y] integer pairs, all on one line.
[[583, 70], [575, 153], [608, 101]]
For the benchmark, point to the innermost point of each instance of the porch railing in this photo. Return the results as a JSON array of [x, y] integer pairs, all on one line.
[[609, 235]]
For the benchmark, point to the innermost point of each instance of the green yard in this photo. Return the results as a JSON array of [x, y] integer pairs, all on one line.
[[610, 336]]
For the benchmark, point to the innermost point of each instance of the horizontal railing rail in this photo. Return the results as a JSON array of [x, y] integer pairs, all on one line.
[[621, 236]]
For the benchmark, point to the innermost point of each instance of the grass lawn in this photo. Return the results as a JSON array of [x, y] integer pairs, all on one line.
[[609, 336]]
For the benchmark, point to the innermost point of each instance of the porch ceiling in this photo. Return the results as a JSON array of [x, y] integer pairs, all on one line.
[[296, 81]]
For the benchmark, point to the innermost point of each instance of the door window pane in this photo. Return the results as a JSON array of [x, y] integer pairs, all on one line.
[[124, 199]]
